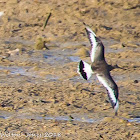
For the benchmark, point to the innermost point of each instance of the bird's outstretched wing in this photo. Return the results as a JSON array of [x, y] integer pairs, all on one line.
[[84, 69], [93, 41], [112, 89]]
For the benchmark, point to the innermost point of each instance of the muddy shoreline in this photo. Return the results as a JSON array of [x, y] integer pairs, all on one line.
[[41, 94]]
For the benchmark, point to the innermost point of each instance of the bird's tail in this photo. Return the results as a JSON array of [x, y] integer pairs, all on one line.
[[84, 69]]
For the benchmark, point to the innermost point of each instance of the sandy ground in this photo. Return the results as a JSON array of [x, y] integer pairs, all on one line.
[[41, 94]]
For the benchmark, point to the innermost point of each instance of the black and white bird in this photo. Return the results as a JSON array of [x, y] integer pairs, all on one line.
[[100, 68]]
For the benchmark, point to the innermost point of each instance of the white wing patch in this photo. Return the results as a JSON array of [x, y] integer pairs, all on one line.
[[92, 53], [111, 93], [93, 42], [87, 69], [84, 70]]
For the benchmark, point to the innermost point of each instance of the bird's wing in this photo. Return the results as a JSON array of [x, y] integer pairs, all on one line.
[[84, 69], [112, 91], [93, 41]]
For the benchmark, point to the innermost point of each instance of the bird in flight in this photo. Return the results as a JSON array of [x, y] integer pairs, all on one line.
[[100, 68]]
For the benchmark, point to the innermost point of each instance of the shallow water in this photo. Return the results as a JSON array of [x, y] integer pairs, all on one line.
[[134, 120], [75, 117]]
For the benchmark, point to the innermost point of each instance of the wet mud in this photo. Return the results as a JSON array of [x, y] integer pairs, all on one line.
[[41, 94]]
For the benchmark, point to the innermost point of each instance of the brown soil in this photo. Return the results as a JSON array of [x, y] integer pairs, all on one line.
[[41, 94]]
